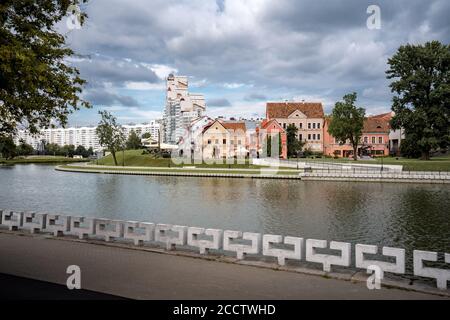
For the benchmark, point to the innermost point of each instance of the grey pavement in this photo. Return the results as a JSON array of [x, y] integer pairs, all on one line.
[[142, 274]]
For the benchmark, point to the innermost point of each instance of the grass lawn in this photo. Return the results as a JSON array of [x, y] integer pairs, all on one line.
[[135, 158], [441, 163], [201, 170], [40, 159]]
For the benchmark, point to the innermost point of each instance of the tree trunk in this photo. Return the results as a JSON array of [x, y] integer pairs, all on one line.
[[113, 152], [425, 155], [355, 150]]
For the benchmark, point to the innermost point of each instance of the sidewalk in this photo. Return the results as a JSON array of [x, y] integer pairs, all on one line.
[[148, 275]]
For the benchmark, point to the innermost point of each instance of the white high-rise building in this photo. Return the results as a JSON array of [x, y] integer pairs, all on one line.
[[181, 108], [81, 136]]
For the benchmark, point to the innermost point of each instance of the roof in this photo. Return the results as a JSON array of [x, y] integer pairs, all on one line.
[[234, 126], [376, 124], [228, 125], [284, 109], [266, 123]]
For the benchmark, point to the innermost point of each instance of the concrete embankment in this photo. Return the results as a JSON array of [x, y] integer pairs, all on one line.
[[270, 173], [153, 273]]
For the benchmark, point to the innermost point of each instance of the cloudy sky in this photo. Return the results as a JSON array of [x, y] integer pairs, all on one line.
[[240, 54]]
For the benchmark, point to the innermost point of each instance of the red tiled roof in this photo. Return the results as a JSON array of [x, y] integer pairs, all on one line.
[[266, 123], [284, 109], [228, 125], [234, 126], [376, 124]]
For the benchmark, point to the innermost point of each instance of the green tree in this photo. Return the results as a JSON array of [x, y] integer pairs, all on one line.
[[24, 149], [146, 135], [422, 86], [133, 141], [347, 122], [52, 149], [37, 84], [7, 147], [110, 134], [67, 150], [294, 145]]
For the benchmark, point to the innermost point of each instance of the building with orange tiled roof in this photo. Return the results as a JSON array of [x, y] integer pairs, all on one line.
[[273, 129], [224, 139], [374, 139], [308, 117]]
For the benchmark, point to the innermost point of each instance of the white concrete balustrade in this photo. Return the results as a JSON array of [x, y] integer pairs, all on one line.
[[164, 233], [328, 259], [241, 249], [398, 253], [82, 227], [203, 244], [282, 254], [12, 220], [441, 275], [206, 239], [139, 232], [57, 224], [109, 229], [34, 222]]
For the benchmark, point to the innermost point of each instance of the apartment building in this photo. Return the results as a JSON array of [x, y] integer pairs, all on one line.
[[80, 136], [308, 117], [181, 108]]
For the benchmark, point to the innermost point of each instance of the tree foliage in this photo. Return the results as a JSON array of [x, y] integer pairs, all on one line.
[[37, 84], [110, 134], [294, 145], [133, 141], [7, 147], [24, 149], [347, 122], [422, 87]]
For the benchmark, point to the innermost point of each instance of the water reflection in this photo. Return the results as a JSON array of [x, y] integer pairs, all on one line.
[[404, 215]]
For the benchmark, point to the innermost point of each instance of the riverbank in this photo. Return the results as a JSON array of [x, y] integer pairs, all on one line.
[[348, 175], [41, 159], [136, 158], [153, 273]]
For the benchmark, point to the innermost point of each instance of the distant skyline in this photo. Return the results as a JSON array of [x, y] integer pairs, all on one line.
[[240, 54]]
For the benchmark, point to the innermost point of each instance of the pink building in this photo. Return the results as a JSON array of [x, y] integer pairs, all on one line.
[[271, 128], [374, 141]]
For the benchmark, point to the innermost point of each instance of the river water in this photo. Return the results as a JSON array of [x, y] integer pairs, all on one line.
[[410, 216]]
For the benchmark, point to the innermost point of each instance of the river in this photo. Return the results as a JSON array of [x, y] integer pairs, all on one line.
[[410, 216]]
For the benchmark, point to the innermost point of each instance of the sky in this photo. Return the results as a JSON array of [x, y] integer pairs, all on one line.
[[240, 54]]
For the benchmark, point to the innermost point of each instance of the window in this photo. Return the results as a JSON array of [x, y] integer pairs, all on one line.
[[217, 141], [224, 141], [239, 141], [366, 140], [284, 125], [301, 125], [309, 136], [314, 125], [314, 136], [318, 125], [300, 137], [373, 139], [209, 141], [380, 139], [309, 125], [318, 136]]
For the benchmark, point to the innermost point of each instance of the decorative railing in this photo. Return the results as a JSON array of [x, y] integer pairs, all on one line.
[[238, 242]]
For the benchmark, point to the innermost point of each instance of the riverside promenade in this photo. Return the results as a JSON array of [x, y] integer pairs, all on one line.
[[151, 274]]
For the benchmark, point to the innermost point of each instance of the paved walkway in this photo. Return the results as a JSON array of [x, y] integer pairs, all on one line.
[[148, 275]]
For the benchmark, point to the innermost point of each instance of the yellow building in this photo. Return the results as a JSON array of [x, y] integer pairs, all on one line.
[[223, 139]]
